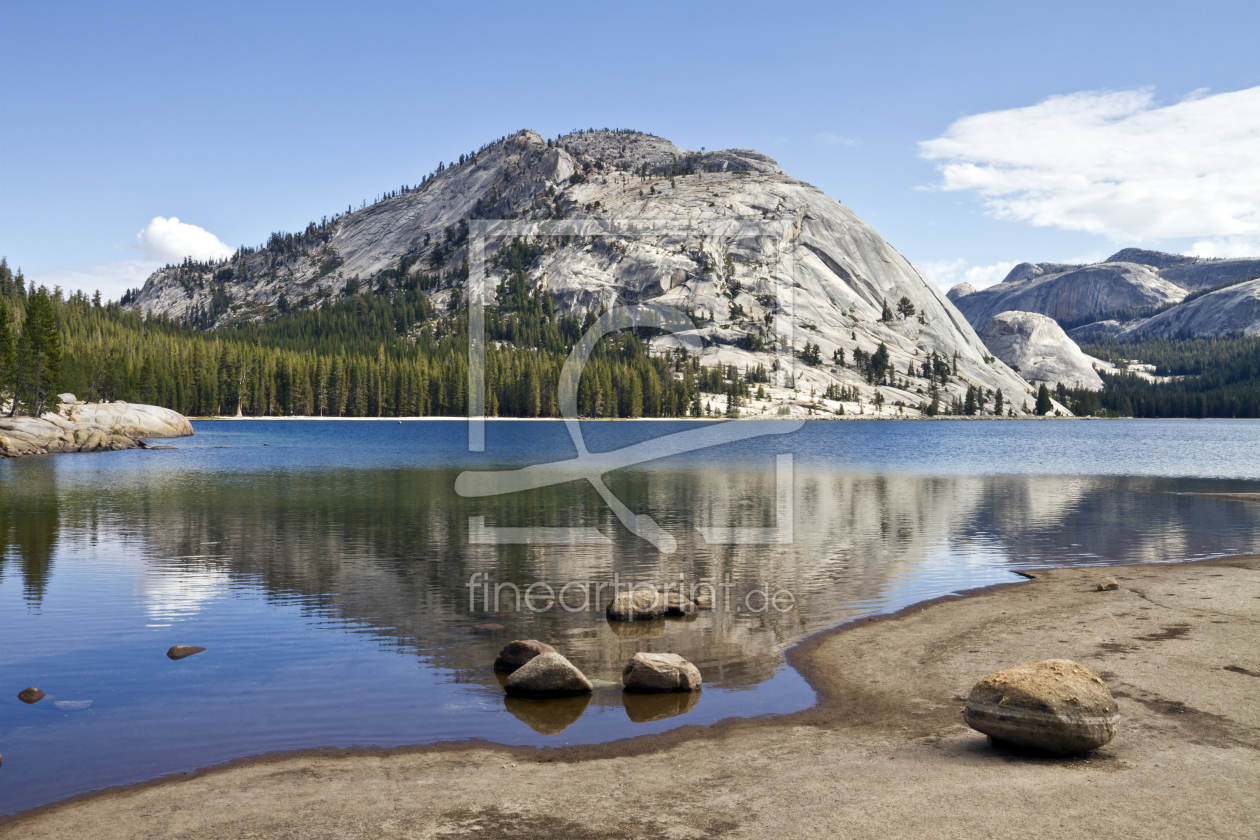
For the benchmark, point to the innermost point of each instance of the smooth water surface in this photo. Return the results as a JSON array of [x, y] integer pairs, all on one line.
[[326, 565]]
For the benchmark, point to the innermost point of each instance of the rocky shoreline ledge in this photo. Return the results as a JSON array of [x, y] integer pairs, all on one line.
[[89, 427], [883, 754]]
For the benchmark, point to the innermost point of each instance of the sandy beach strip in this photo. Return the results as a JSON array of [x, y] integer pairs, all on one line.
[[884, 753]]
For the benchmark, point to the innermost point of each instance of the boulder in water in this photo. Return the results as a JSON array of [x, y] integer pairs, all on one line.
[[547, 675], [181, 651], [636, 605], [516, 653], [660, 672], [30, 695]]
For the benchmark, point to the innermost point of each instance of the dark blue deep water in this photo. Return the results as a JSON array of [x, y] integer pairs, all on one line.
[[325, 566]]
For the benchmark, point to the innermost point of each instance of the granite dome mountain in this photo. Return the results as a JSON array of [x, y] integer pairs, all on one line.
[[845, 281]]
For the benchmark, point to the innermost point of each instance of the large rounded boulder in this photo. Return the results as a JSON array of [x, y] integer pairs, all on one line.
[[660, 672], [636, 605], [518, 652], [547, 675], [1055, 706]]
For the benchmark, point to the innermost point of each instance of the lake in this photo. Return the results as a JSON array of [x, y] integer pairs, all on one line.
[[345, 592]]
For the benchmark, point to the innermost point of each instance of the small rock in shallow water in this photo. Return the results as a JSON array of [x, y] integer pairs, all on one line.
[[180, 651], [1056, 706], [488, 628], [660, 672], [704, 602], [1108, 584], [30, 695], [517, 653], [547, 675]]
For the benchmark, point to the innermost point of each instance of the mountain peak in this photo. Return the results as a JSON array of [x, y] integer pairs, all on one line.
[[1154, 259]]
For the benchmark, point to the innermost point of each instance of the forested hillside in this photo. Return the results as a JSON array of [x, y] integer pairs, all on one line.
[[387, 355]]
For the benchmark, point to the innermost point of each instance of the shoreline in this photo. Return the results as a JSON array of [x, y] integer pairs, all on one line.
[[783, 418], [863, 704]]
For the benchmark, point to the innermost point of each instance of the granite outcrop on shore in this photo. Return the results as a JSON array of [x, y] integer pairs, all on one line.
[[89, 427]]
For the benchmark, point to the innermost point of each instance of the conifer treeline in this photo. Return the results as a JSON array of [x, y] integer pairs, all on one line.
[[385, 355]]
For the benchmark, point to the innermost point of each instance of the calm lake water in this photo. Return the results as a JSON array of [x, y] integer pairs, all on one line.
[[325, 566]]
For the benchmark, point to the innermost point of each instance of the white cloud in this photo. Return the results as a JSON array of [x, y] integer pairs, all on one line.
[[1226, 246], [1116, 164], [170, 240], [946, 274]]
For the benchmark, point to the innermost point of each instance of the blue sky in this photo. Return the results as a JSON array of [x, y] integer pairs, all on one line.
[[972, 136]]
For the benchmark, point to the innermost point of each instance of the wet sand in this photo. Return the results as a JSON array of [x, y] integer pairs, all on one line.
[[883, 754]]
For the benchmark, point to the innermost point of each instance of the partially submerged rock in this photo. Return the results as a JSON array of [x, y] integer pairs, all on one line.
[[517, 652], [660, 672], [1107, 584], [547, 675], [1055, 706], [181, 651], [637, 605], [30, 695], [488, 628], [703, 602]]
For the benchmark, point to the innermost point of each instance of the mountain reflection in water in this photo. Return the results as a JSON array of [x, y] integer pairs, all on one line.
[[328, 576]]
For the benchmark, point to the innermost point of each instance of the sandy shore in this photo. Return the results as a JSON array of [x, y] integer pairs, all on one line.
[[884, 754]]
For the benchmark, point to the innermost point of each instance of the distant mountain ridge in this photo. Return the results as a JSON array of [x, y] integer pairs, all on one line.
[[1142, 291]]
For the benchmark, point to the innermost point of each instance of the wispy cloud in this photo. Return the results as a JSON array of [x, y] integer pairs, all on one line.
[[828, 138], [1116, 164]]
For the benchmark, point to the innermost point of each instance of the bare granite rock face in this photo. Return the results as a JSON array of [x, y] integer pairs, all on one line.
[[1042, 351], [1150, 288], [1070, 292], [131, 419], [960, 290], [1055, 706], [89, 427], [1232, 309], [1192, 273], [821, 274]]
